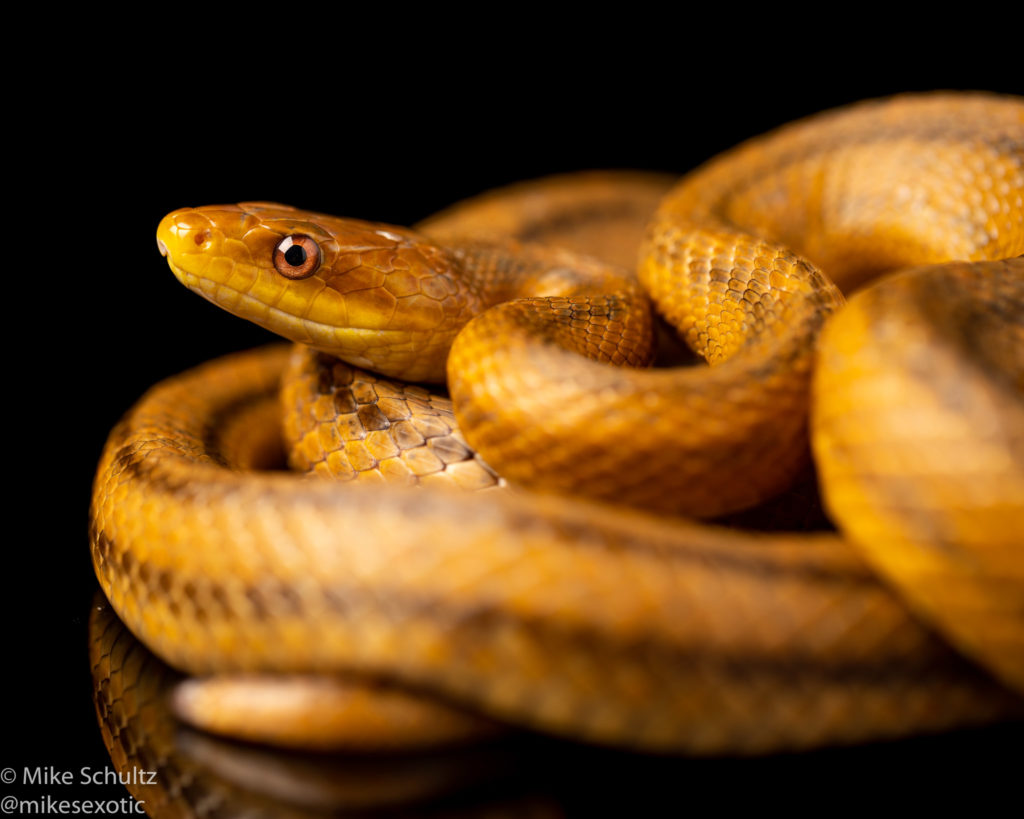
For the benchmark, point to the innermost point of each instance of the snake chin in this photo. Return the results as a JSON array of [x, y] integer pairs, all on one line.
[[338, 341]]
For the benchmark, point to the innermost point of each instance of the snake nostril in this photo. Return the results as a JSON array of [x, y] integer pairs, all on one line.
[[201, 237]]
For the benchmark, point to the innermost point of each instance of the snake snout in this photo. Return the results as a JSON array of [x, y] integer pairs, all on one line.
[[183, 231]]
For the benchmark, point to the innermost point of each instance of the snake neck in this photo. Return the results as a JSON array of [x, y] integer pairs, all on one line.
[[500, 271]]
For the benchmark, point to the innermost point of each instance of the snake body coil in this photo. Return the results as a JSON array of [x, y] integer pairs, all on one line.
[[572, 615]]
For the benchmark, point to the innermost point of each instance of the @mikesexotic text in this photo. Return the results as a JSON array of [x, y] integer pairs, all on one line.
[[50, 803]]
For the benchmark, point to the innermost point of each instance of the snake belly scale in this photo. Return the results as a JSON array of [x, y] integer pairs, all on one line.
[[576, 615]]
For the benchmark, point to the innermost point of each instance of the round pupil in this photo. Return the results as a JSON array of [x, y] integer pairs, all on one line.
[[295, 256]]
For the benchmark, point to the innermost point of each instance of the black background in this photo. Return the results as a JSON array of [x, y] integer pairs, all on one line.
[[122, 140]]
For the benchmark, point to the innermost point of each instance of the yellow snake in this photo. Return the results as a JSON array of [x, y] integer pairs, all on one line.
[[575, 615]]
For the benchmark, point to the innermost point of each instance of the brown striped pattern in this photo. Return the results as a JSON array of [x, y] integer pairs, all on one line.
[[650, 658]]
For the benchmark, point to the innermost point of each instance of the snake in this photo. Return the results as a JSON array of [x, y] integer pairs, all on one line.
[[528, 545]]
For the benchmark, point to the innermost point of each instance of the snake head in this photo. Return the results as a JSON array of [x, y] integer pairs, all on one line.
[[377, 296]]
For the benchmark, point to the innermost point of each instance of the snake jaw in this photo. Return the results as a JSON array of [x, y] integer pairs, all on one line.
[[323, 337]]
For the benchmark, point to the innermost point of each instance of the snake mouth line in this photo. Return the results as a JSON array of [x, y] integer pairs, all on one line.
[[302, 330]]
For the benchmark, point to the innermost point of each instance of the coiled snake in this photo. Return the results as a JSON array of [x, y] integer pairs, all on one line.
[[554, 606]]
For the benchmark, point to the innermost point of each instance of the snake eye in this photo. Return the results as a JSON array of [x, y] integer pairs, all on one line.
[[297, 257]]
